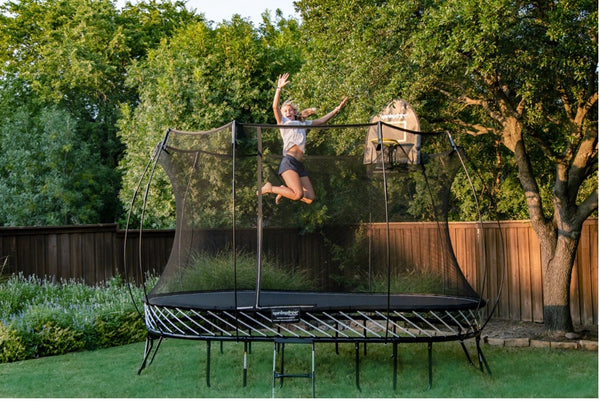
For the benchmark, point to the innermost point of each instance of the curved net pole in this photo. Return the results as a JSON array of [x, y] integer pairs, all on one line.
[[152, 162], [475, 199], [151, 166], [483, 242], [133, 198]]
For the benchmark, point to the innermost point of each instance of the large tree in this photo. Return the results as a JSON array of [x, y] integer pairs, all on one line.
[[70, 57], [67, 54], [47, 175], [519, 73], [202, 78]]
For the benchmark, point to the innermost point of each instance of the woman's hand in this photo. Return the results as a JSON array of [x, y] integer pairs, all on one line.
[[343, 103], [282, 80]]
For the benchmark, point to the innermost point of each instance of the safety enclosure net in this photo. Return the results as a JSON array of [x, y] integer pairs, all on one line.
[[378, 223]]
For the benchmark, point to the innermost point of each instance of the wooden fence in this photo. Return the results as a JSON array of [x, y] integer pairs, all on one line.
[[522, 295], [96, 253]]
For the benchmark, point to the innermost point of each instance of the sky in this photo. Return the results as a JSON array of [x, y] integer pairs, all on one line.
[[219, 10]]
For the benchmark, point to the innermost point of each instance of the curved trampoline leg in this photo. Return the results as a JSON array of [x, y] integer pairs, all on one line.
[[148, 350], [482, 360], [462, 344], [274, 369], [245, 378]]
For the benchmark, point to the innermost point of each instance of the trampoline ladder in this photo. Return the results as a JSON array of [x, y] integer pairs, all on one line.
[[279, 343]]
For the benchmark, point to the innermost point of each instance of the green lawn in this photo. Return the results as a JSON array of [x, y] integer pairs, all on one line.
[[179, 371]]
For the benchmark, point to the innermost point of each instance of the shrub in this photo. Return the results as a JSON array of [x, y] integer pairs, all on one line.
[[11, 345], [42, 317], [121, 329], [55, 340]]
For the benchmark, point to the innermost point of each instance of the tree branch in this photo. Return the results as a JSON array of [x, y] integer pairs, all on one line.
[[468, 101], [475, 129], [531, 189], [587, 207], [584, 109], [545, 146]]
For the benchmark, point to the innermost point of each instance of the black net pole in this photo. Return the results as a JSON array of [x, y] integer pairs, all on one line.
[[233, 223], [259, 223], [387, 225]]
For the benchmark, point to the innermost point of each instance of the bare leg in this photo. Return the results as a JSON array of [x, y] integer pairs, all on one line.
[[296, 188], [308, 190]]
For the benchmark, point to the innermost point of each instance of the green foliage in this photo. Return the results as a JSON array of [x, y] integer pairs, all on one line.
[[11, 346], [63, 67], [216, 272], [69, 55], [48, 176], [467, 66], [200, 79], [146, 23], [123, 328], [355, 49], [51, 339], [39, 317]]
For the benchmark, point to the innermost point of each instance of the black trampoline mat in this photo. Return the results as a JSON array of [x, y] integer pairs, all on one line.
[[313, 301]]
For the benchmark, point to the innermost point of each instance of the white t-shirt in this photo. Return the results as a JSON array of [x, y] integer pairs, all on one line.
[[294, 136]]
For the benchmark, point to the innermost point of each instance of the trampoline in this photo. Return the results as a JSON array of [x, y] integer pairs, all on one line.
[[370, 261]]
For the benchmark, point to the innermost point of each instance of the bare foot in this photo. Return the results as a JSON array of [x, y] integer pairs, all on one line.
[[277, 199], [267, 188]]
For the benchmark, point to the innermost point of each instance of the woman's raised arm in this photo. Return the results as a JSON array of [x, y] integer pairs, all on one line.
[[282, 81], [329, 116]]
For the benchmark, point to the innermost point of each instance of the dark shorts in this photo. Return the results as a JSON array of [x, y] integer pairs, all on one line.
[[290, 163]]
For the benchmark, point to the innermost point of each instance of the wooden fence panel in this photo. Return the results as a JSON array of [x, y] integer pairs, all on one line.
[[525, 289], [96, 253], [535, 271], [584, 281], [132, 259]]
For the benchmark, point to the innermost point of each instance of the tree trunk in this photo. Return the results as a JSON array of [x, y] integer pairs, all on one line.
[[557, 265], [558, 240]]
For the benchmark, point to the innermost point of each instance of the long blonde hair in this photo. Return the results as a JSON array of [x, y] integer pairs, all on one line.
[[300, 115]]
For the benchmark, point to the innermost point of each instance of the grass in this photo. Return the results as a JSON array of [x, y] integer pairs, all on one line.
[[178, 371]]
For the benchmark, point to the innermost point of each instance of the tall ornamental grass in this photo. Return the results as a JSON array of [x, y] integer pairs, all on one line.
[[42, 317], [215, 272]]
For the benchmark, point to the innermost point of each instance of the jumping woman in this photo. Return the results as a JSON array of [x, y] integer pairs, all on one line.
[[297, 184]]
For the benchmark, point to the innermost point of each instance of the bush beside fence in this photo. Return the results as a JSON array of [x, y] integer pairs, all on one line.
[[40, 317]]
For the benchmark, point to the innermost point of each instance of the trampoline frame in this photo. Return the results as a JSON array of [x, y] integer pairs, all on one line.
[[384, 323], [310, 325]]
